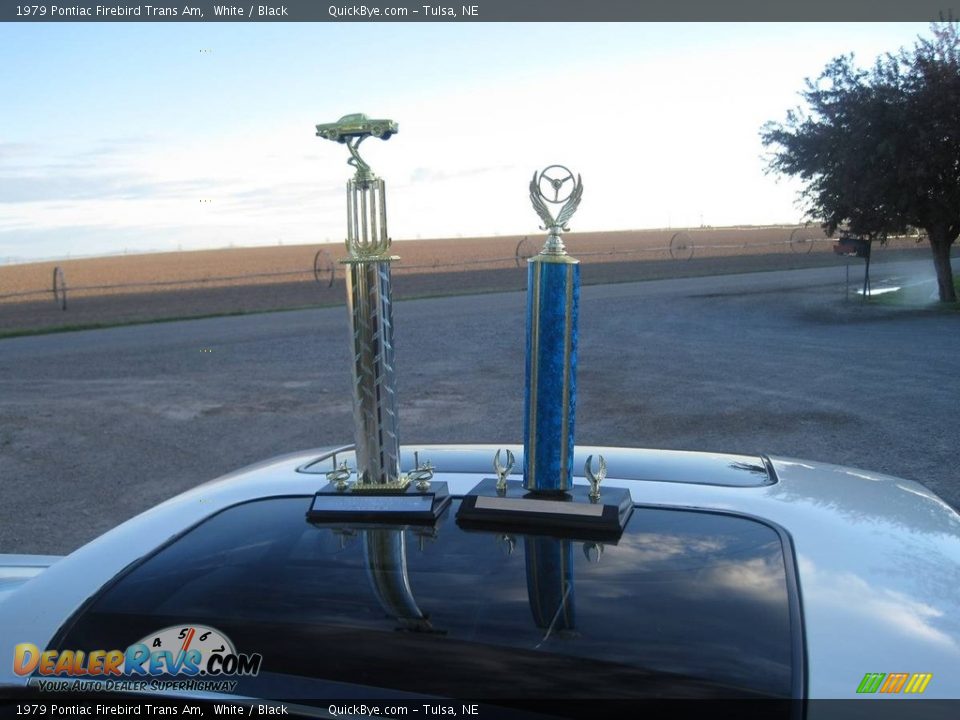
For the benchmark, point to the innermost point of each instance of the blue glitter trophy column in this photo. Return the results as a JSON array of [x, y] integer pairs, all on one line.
[[547, 498], [553, 296]]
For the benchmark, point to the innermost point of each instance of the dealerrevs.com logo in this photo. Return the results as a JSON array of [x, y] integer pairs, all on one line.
[[181, 657]]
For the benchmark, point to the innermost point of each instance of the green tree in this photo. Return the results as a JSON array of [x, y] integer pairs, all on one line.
[[879, 149]]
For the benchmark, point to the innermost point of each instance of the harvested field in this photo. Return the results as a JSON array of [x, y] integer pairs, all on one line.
[[144, 287]]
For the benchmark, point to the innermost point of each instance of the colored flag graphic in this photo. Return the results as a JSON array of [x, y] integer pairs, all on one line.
[[914, 683]]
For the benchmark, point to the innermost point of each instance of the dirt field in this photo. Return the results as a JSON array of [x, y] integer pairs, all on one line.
[[144, 287]]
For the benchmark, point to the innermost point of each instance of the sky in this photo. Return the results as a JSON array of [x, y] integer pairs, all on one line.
[[132, 137]]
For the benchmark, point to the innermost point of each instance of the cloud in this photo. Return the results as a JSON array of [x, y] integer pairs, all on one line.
[[113, 186], [892, 609], [287, 193], [424, 174], [30, 172], [9, 150], [21, 158], [114, 146]]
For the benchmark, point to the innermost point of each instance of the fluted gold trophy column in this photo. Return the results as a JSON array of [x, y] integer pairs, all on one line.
[[381, 494], [371, 323], [370, 307]]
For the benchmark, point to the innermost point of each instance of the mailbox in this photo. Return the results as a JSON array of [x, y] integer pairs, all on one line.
[[852, 247]]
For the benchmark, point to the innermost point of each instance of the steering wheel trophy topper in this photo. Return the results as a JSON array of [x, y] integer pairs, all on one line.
[[555, 184], [547, 180], [548, 493], [381, 492]]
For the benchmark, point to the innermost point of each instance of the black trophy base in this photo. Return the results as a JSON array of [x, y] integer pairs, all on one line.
[[572, 515], [409, 507]]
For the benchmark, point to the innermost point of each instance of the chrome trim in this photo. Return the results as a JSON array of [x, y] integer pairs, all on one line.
[[327, 455], [529, 464], [565, 481]]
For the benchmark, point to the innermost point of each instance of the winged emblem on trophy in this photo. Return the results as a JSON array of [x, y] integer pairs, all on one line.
[[550, 186]]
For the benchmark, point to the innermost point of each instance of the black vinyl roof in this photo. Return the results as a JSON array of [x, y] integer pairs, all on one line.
[[686, 604]]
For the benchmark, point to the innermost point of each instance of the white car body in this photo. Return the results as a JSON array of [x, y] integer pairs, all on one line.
[[878, 557]]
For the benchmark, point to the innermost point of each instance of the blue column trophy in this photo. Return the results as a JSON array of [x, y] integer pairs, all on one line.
[[553, 300], [548, 496]]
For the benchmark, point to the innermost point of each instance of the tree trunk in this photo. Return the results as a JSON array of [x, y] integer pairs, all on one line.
[[940, 242]]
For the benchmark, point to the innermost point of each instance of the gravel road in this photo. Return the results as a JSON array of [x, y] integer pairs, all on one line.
[[97, 426]]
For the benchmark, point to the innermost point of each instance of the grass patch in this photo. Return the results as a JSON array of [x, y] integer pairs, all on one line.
[[903, 297], [916, 296], [22, 332], [704, 272]]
